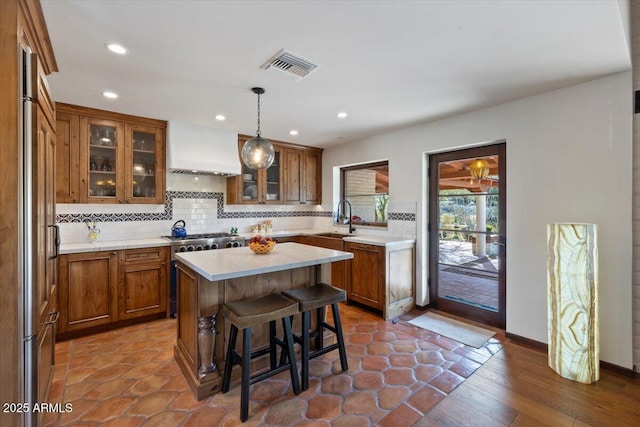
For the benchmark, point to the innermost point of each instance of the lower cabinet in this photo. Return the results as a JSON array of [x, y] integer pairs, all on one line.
[[338, 268], [142, 287], [88, 290], [382, 277], [367, 274], [102, 289]]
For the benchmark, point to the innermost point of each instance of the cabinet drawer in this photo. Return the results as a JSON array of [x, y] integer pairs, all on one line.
[[143, 256]]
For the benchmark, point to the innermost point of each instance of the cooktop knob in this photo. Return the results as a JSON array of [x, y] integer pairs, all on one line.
[[207, 247], [199, 248], [182, 249], [191, 248], [230, 245], [214, 246]]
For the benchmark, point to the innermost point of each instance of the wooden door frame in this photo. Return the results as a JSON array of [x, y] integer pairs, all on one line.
[[474, 313]]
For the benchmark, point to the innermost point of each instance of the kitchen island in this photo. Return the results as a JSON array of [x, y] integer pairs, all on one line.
[[208, 279]]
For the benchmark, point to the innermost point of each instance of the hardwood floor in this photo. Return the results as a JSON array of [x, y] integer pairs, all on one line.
[[399, 375], [517, 388]]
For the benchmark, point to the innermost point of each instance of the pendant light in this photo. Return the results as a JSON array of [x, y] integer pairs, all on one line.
[[479, 168], [258, 153]]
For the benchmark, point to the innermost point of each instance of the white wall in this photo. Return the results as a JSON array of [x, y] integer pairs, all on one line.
[[569, 157]]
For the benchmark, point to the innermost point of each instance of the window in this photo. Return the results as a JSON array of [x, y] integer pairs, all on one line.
[[366, 188]]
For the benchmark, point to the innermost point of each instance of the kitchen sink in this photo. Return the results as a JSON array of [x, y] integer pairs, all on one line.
[[332, 235]]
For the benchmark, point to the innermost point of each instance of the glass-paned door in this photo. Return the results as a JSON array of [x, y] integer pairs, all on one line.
[[273, 190], [144, 166], [467, 233], [103, 159], [249, 184]]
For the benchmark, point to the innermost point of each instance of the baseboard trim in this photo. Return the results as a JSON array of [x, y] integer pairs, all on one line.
[[542, 346]]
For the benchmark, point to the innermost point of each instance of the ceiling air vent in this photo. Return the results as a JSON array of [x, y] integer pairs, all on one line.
[[290, 64]]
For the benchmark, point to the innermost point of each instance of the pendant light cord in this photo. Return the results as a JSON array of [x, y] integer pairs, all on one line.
[[258, 133]]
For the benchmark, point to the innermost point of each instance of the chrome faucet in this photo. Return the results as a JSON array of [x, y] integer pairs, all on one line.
[[343, 203]]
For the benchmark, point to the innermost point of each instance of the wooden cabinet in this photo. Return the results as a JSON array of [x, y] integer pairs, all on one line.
[[23, 27], [256, 186], [338, 269], [294, 178], [143, 282], [108, 157], [367, 274], [105, 289], [88, 290], [382, 277], [303, 176], [67, 158]]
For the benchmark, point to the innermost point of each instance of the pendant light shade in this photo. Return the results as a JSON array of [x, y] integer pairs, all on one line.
[[479, 168], [258, 153]]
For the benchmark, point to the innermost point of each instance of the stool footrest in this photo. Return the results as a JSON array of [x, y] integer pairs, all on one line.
[[320, 352]]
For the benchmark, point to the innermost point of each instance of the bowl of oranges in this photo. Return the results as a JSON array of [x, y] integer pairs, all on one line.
[[261, 244]]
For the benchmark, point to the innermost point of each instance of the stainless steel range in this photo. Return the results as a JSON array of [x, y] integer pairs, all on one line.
[[203, 242], [192, 243]]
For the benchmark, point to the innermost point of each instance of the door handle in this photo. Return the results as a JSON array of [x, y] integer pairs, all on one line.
[[56, 241], [53, 316]]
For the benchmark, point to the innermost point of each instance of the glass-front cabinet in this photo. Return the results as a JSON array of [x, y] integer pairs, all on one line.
[[142, 178], [120, 162], [101, 143]]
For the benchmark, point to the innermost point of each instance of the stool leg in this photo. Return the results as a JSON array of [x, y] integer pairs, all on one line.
[[320, 328], [305, 349], [293, 369], [246, 366], [272, 344], [226, 377], [338, 326]]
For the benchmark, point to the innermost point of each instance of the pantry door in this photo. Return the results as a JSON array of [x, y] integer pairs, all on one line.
[[467, 233]]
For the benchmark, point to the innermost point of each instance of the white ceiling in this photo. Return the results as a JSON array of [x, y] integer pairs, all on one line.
[[389, 64]]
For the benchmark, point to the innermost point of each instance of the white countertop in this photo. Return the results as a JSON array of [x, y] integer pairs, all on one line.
[[369, 239], [72, 248], [241, 262]]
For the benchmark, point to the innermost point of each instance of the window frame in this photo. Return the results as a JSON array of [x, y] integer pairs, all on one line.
[[343, 187]]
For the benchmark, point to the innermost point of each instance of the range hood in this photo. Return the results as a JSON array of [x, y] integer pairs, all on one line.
[[201, 150]]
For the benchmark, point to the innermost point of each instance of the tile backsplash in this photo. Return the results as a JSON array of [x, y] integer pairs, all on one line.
[[199, 201]]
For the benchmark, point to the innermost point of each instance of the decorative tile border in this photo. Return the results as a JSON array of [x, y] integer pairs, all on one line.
[[402, 216], [222, 214]]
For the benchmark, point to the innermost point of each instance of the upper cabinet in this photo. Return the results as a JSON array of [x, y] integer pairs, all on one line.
[[295, 177], [303, 176], [108, 157]]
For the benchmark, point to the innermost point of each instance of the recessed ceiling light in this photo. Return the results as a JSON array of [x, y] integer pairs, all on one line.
[[293, 132], [109, 94], [221, 117], [342, 115], [117, 48]]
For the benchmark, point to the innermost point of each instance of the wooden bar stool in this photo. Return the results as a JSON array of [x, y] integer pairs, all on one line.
[[318, 297], [249, 313]]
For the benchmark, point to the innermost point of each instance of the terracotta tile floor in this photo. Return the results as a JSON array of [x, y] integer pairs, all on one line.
[[397, 373]]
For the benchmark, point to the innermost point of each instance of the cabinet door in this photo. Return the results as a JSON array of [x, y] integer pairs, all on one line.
[[88, 290], [367, 274], [143, 290], [293, 176], [143, 282], [101, 161], [312, 187], [67, 158], [303, 176], [145, 168], [44, 234]]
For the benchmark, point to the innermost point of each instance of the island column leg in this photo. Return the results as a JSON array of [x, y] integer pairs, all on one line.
[[206, 345]]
